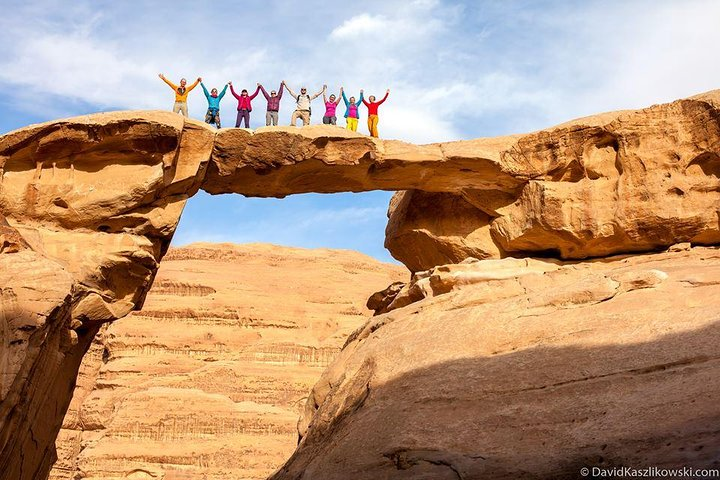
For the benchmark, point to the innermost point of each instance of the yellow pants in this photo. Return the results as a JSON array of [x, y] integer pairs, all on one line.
[[372, 125], [352, 124]]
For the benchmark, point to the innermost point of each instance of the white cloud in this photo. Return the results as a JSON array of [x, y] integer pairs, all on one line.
[[363, 24], [77, 68], [500, 64]]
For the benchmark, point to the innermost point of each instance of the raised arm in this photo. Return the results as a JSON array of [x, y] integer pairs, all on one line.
[[170, 84], [342, 92], [194, 84], [222, 94], [207, 94], [264, 92], [232, 90], [337, 100], [257, 90], [321, 92], [385, 97], [280, 91], [362, 99], [292, 94]]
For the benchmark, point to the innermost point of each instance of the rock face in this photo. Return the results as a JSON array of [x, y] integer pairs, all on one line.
[[209, 378], [88, 207], [630, 182], [522, 368]]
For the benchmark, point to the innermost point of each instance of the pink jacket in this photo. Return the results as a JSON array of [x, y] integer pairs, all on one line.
[[244, 102], [330, 108]]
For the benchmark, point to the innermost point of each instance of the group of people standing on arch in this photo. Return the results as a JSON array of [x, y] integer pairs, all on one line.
[[303, 107]]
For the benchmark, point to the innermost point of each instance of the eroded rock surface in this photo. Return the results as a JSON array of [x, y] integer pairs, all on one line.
[[90, 204], [527, 371], [209, 378], [631, 182], [88, 208]]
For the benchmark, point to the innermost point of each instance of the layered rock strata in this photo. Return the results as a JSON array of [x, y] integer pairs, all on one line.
[[208, 380]]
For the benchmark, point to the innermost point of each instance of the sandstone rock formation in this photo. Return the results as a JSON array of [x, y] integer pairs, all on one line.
[[88, 208], [90, 205], [619, 182], [210, 377], [518, 368]]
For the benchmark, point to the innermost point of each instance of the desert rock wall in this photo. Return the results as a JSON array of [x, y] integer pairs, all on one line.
[[211, 376]]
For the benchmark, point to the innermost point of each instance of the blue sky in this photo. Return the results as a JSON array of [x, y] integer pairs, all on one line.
[[456, 70]]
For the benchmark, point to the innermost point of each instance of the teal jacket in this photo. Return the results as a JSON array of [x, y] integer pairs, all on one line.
[[352, 109], [213, 102]]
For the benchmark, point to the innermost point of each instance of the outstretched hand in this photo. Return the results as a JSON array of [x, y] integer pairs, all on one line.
[[230, 83], [258, 84], [361, 90], [199, 79], [161, 76], [324, 87]]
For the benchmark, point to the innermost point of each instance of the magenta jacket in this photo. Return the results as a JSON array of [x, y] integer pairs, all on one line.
[[330, 108], [244, 102]]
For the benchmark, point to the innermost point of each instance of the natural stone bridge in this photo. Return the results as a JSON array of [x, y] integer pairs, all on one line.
[[88, 207]]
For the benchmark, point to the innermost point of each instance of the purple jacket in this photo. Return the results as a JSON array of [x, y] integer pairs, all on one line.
[[273, 102]]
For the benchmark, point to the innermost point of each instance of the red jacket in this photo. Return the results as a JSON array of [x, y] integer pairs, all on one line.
[[244, 102], [373, 106]]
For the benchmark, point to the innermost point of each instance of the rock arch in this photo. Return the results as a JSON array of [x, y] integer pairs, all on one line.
[[88, 207]]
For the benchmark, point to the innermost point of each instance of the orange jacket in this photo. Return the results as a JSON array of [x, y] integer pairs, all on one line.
[[180, 93]]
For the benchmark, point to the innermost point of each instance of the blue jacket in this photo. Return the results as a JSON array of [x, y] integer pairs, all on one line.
[[213, 102], [347, 104]]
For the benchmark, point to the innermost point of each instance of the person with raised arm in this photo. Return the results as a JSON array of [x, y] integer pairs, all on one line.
[[302, 109], [330, 118], [213, 98], [352, 111], [181, 93], [372, 107], [273, 105], [244, 104]]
